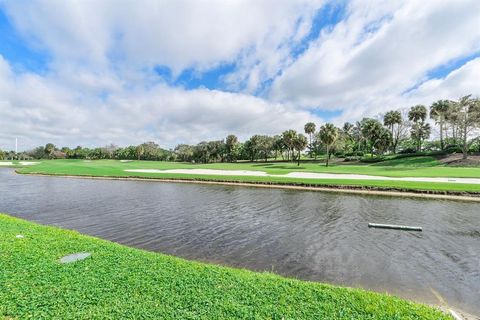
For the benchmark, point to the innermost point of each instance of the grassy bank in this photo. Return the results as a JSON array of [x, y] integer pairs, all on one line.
[[408, 167], [118, 282], [423, 166]]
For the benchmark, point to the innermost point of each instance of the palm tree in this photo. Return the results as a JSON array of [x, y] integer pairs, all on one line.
[[347, 133], [300, 143], [310, 130], [391, 119], [278, 146], [328, 134], [288, 136], [358, 137], [383, 141], [420, 132], [468, 120], [418, 114], [439, 112], [371, 130]]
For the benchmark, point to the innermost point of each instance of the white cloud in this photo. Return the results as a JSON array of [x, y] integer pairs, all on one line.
[[460, 82], [379, 51], [40, 109], [99, 86], [456, 84], [179, 34]]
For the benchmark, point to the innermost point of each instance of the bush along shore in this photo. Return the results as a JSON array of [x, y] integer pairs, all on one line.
[[118, 282]]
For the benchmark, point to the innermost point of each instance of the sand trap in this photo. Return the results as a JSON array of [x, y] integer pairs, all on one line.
[[305, 175], [205, 172], [126, 161], [28, 163], [311, 175], [23, 163]]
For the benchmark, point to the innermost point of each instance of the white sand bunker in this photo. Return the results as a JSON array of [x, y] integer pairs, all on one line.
[[311, 175], [205, 172], [305, 175], [23, 163], [126, 161], [28, 163]]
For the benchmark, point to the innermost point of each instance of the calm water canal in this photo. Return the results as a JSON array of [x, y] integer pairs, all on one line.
[[307, 235]]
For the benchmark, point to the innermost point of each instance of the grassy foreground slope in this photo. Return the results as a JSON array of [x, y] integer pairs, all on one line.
[[407, 167], [118, 282]]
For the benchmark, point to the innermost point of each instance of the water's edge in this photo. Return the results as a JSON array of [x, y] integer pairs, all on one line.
[[440, 306]]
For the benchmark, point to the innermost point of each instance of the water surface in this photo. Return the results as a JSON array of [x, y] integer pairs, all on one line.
[[308, 235]]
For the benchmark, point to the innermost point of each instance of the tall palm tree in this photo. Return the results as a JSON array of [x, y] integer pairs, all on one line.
[[418, 114], [310, 130], [468, 120], [371, 129], [278, 146], [358, 137], [391, 119], [439, 112], [328, 135], [288, 136], [347, 133]]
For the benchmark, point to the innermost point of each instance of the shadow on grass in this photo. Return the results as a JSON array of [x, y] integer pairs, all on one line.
[[289, 167], [405, 163], [263, 164]]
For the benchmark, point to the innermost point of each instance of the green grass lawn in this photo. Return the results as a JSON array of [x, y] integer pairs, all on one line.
[[119, 282], [407, 167]]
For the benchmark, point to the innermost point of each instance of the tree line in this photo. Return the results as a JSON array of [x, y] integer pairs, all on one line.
[[397, 131]]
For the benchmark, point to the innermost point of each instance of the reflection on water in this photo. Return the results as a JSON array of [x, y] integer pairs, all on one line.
[[308, 235]]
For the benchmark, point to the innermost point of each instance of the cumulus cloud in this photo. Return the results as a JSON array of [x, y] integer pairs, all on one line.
[[178, 34], [45, 108], [99, 85], [462, 81], [380, 51]]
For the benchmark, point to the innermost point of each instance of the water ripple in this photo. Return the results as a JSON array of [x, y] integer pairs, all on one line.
[[308, 235]]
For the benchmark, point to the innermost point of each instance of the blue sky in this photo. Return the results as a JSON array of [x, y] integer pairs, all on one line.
[[178, 72], [17, 51], [324, 18]]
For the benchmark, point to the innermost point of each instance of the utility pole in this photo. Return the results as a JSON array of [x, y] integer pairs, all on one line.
[[16, 145]]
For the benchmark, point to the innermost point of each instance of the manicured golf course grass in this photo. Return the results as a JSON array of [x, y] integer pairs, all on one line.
[[424, 166], [118, 282]]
